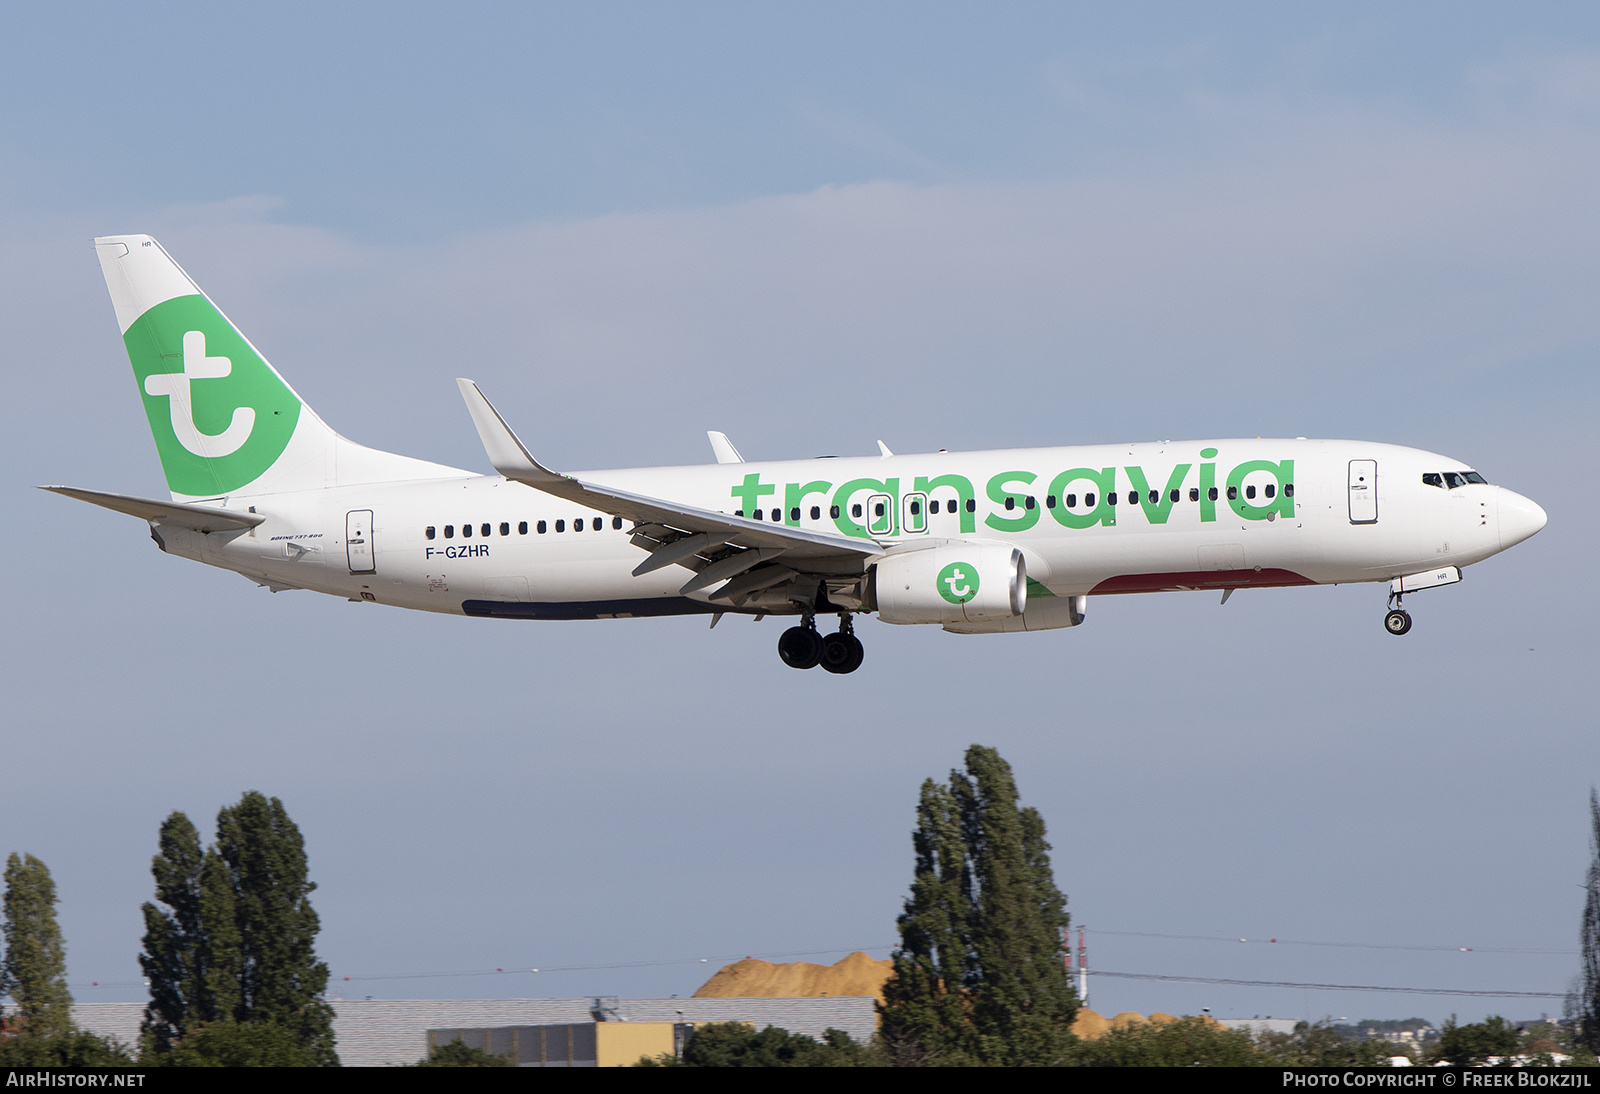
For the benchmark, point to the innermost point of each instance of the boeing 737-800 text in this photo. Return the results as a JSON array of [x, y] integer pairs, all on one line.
[[976, 542]]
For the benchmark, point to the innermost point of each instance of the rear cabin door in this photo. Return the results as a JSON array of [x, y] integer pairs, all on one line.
[[1363, 491], [358, 541]]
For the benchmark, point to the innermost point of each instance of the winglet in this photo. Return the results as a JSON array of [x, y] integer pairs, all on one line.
[[506, 453], [884, 449], [723, 447]]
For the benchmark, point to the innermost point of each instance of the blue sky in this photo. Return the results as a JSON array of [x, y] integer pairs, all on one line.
[[813, 226]]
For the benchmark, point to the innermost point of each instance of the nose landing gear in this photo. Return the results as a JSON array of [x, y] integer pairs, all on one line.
[[1398, 621], [803, 648]]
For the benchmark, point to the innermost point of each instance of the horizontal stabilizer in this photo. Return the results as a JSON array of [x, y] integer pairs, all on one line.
[[198, 518]]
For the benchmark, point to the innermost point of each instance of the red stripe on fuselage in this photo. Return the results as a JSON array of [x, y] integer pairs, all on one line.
[[1199, 579]]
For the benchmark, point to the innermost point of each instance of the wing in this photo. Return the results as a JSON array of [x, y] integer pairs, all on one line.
[[715, 545]]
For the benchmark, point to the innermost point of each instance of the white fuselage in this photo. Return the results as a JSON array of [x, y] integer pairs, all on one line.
[[1297, 515]]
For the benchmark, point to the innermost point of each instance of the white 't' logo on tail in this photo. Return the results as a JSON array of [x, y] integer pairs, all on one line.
[[175, 386]]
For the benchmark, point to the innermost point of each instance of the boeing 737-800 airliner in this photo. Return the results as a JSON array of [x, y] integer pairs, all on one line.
[[976, 542]]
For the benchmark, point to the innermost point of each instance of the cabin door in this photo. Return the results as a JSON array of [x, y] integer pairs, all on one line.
[[1363, 491], [358, 541]]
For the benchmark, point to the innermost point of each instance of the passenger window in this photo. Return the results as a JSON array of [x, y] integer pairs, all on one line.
[[1111, 498], [1211, 494], [616, 524], [1050, 501], [466, 531], [972, 505], [1250, 491], [1271, 490], [1155, 496], [505, 528], [1072, 501], [777, 516], [1288, 489], [1194, 493], [855, 510], [449, 531], [756, 513], [1233, 493], [541, 527], [429, 532], [561, 526], [833, 512], [1088, 501], [1173, 495], [816, 512], [485, 529], [522, 528], [738, 512], [1011, 503], [1027, 503], [877, 510], [916, 509]]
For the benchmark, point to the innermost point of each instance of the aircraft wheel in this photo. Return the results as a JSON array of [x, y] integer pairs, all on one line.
[[857, 654], [842, 653], [800, 647], [1397, 622]]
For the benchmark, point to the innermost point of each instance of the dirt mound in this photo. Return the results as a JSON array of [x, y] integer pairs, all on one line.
[[1090, 1025], [856, 974]]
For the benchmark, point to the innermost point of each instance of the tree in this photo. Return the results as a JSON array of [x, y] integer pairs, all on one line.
[[35, 970], [174, 940], [235, 942], [980, 975], [1474, 1043], [1187, 1042], [734, 1044], [1586, 1006]]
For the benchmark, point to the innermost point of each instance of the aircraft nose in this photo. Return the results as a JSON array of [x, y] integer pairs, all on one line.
[[1520, 518]]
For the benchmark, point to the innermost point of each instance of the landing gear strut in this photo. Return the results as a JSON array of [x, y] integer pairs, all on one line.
[[803, 648], [1398, 621]]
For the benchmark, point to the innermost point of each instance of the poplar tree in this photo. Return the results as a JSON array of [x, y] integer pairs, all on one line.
[[1587, 1003], [34, 972], [235, 945], [980, 975]]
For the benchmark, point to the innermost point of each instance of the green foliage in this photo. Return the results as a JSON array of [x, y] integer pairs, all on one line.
[[34, 972], [1473, 1044], [233, 948], [76, 1048], [1585, 1007], [1188, 1042], [230, 1044], [980, 975], [733, 1044], [460, 1054], [1322, 1045]]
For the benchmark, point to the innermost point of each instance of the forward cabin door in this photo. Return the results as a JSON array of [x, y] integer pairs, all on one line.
[[1363, 491], [358, 541]]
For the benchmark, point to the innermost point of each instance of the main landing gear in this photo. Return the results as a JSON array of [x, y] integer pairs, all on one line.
[[1398, 621], [803, 648]]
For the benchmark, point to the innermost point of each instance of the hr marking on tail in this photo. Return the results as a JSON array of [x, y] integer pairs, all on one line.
[[175, 386]]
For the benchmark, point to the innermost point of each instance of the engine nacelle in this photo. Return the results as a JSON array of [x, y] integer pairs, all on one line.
[[1045, 613], [960, 583]]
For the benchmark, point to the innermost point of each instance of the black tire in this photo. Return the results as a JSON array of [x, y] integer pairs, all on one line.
[[800, 647], [857, 654], [1397, 622], [839, 653]]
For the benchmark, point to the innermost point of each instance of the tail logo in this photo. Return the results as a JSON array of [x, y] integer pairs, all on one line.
[[219, 415], [175, 386]]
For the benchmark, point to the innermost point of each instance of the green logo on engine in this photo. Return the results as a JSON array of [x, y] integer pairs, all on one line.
[[219, 414], [958, 582]]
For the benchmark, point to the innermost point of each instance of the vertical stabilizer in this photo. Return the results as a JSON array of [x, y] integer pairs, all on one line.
[[224, 422]]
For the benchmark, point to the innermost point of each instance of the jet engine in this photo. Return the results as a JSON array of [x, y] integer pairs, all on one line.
[[959, 583]]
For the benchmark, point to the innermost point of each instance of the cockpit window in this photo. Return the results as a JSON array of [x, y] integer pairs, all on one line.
[[1453, 479]]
